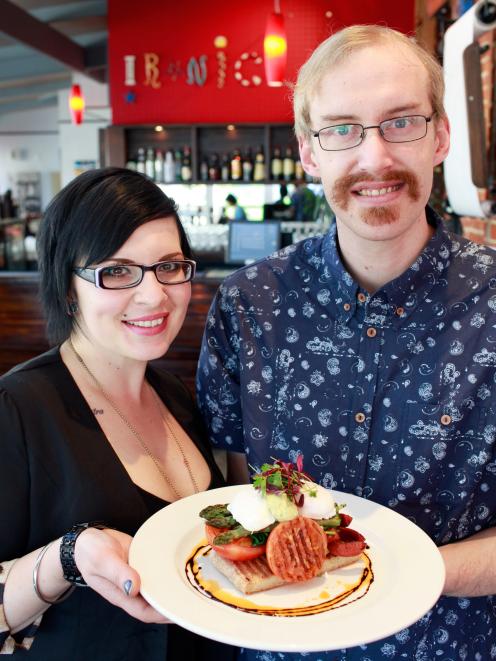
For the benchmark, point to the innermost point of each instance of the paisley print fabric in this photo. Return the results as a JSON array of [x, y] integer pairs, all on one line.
[[390, 396]]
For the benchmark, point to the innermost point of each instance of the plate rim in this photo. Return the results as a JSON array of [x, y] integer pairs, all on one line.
[[238, 635]]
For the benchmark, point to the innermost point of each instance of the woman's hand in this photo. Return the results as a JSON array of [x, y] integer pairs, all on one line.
[[102, 558]]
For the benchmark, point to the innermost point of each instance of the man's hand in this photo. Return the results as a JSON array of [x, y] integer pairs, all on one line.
[[471, 565]]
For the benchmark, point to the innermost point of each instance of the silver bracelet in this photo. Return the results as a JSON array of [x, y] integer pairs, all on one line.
[[36, 589]]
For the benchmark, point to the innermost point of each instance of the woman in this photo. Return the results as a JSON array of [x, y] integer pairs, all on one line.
[[91, 432]]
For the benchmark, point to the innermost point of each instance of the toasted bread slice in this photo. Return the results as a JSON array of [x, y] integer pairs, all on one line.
[[251, 576]]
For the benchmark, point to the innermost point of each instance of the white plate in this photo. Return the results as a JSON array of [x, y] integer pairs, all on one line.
[[408, 579]]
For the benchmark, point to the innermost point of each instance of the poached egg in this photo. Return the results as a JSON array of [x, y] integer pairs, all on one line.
[[252, 510], [318, 502]]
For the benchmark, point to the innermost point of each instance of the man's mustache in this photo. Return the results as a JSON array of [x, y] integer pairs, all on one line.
[[343, 185]]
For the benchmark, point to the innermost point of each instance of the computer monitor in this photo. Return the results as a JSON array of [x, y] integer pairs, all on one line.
[[249, 240]]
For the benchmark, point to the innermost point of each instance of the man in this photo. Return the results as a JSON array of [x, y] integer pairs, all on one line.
[[303, 201], [233, 210], [371, 350]]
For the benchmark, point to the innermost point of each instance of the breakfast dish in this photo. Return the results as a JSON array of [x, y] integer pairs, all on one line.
[[172, 542], [285, 528]]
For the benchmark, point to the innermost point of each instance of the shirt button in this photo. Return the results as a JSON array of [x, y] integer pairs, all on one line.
[[371, 332], [399, 311], [445, 419], [360, 417], [361, 297], [347, 307]]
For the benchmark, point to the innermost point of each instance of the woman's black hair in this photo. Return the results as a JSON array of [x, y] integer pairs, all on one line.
[[86, 223]]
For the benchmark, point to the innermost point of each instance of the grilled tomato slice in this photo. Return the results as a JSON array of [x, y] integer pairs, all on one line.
[[239, 550]]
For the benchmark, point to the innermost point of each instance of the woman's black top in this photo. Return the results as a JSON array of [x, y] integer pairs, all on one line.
[[57, 469]]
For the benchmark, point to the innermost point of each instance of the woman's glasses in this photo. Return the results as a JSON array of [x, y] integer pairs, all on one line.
[[123, 276]]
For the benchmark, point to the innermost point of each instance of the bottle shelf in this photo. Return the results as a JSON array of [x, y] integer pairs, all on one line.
[[210, 145], [231, 183]]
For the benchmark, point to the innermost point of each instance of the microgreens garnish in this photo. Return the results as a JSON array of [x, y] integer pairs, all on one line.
[[282, 478]]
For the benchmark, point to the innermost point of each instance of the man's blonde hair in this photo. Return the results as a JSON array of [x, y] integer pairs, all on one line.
[[341, 45]]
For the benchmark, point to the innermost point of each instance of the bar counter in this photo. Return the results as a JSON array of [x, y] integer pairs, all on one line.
[[22, 326]]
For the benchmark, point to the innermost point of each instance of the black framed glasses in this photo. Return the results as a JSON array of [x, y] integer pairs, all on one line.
[[397, 129], [123, 276]]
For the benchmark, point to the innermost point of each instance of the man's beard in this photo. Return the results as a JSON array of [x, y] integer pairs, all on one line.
[[374, 216]]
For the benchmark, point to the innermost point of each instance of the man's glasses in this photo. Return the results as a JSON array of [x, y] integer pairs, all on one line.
[[397, 129], [123, 276]]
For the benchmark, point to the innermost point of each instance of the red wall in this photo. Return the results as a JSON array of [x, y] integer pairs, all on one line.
[[178, 30]]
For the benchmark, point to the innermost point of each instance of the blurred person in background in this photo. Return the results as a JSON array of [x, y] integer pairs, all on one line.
[[233, 211]]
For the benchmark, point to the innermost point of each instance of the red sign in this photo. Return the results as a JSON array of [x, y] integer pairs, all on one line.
[[202, 62]]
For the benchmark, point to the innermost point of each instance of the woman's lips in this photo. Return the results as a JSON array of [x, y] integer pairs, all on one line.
[[150, 325]]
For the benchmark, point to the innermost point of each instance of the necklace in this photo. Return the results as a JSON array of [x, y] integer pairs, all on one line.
[[135, 431]]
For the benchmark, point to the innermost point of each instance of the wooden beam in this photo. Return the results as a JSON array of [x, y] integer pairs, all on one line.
[[32, 32], [71, 27], [36, 80], [31, 96], [80, 25], [41, 4]]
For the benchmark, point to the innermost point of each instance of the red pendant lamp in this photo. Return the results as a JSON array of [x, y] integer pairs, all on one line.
[[76, 104], [275, 48]]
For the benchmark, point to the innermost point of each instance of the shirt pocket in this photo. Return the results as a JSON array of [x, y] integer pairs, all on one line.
[[446, 465]]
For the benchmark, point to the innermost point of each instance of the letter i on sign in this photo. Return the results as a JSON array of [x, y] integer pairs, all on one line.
[[130, 68], [220, 43]]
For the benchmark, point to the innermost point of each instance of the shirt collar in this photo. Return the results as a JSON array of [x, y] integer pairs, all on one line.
[[401, 295]]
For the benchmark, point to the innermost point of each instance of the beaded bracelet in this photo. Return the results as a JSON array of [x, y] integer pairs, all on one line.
[[36, 589]]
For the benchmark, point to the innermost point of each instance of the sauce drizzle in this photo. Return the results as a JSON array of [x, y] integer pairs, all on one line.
[[349, 593]]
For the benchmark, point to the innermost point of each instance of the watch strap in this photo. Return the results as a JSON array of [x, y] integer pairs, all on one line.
[[67, 547]]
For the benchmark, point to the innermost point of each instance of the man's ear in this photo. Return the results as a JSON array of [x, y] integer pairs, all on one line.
[[442, 140], [307, 157]]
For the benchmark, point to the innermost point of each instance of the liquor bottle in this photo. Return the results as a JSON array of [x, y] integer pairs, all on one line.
[[150, 163], [214, 168], [276, 165], [186, 173], [259, 168], [299, 171], [225, 171], [169, 167], [131, 165], [248, 166], [288, 165], [140, 160], [236, 168], [159, 166], [204, 169], [178, 163]]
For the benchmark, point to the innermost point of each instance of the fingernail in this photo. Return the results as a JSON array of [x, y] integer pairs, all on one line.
[[128, 586]]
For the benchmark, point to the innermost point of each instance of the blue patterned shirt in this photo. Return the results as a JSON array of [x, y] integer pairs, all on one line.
[[390, 396]]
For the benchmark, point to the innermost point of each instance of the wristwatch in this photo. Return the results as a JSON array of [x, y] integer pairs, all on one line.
[[67, 546]]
